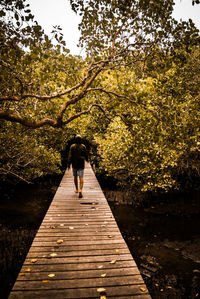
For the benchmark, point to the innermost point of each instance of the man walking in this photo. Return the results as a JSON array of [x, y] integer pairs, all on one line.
[[77, 156]]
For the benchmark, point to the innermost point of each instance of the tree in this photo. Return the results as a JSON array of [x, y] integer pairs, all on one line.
[[40, 81], [116, 34], [44, 87], [154, 138]]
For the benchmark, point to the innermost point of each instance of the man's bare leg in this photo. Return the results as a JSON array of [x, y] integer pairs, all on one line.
[[81, 187], [76, 183]]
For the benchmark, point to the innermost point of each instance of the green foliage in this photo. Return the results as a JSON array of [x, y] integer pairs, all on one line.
[[155, 136], [141, 87], [26, 154], [110, 26]]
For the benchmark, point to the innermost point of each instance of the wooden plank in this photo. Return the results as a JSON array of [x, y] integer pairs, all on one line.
[[81, 259], [65, 253], [79, 274], [77, 267], [91, 247], [79, 248], [130, 291], [79, 283]]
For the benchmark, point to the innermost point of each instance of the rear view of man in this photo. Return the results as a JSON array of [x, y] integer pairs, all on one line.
[[77, 156]]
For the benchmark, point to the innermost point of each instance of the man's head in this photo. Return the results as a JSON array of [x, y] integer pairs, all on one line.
[[78, 139]]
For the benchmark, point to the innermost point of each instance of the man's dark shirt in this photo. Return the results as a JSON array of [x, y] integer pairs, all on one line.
[[77, 156]]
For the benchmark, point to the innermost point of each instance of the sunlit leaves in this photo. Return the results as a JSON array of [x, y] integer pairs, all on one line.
[[157, 128]]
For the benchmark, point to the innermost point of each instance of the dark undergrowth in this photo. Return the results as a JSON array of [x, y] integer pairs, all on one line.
[[22, 209]]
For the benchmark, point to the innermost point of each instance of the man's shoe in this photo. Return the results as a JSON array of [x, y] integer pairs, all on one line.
[[80, 195]]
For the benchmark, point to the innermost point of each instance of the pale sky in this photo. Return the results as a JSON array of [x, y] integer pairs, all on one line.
[[58, 12]]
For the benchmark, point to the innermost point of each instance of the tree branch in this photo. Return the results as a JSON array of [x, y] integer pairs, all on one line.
[[27, 122], [6, 172], [86, 112]]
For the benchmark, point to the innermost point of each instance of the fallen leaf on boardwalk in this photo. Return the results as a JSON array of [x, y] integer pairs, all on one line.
[[113, 262], [51, 275], [71, 227], [21, 274], [60, 241], [156, 284], [100, 290], [99, 267], [169, 287], [28, 270], [110, 236], [45, 281], [33, 260], [58, 214], [61, 224], [52, 227], [53, 254], [117, 250], [103, 297], [103, 275], [143, 289], [161, 290]]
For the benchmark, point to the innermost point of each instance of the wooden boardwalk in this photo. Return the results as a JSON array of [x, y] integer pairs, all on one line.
[[78, 251]]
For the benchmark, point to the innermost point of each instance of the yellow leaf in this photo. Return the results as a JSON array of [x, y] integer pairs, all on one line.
[[100, 290], [53, 254], [113, 262], [51, 275], [28, 270], [103, 297], [143, 289], [110, 236], [99, 267], [21, 274], [117, 250], [33, 260], [61, 224], [71, 227], [169, 287], [161, 290], [86, 224], [52, 227], [103, 275], [60, 241], [45, 281]]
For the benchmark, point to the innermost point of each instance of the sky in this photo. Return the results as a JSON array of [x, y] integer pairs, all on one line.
[[58, 12]]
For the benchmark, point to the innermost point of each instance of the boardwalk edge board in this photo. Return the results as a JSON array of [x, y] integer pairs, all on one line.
[[78, 251]]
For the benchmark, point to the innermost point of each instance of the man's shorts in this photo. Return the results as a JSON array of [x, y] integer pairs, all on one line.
[[78, 172]]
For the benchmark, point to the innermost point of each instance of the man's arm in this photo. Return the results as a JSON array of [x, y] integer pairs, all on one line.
[[69, 160], [86, 153]]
